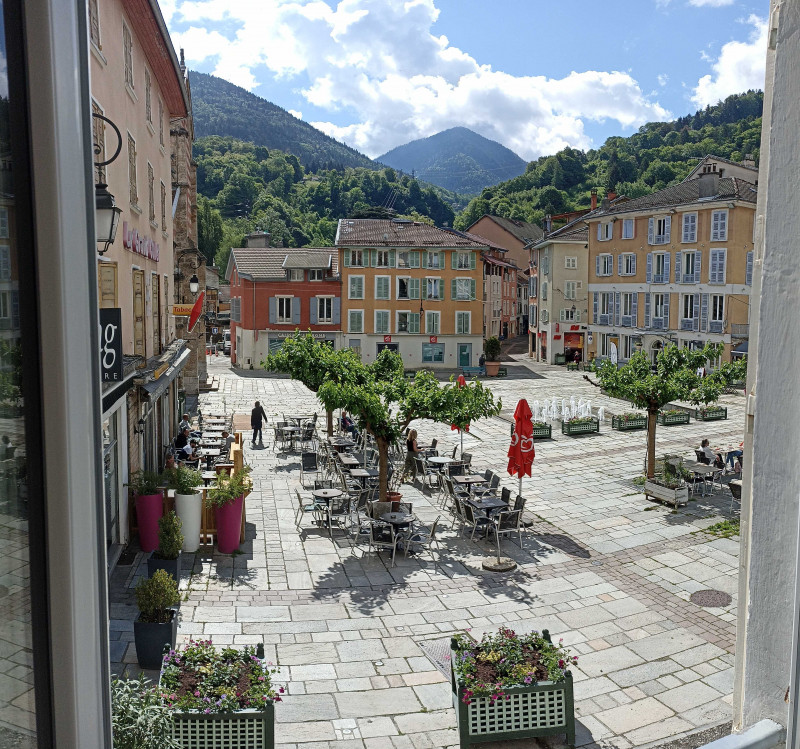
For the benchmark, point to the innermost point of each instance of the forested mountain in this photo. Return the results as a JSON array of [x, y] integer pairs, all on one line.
[[456, 159], [221, 108], [243, 187], [660, 154]]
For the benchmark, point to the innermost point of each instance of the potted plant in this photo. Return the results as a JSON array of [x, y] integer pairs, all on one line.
[[669, 486], [139, 718], [628, 421], [188, 503], [227, 499], [491, 348], [580, 425], [542, 430], [167, 556], [710, 413], [157, 623], [393, 495], [219, 698], [528, 669], [147, 489], [667, 417]]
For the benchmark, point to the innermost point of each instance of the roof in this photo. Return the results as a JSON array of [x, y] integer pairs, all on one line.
[[496, 261], [271, 263], [522, 230], [711, 157], [478, 239], [381, 232], [685, 193]]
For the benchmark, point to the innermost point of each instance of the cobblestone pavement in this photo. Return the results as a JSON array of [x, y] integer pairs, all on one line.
[[602, 567]]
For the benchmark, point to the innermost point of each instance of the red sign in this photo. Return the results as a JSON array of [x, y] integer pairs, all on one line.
[[557, 328], [133, 241], [387, 339], [433, 339], [556, 337], [574, 327]]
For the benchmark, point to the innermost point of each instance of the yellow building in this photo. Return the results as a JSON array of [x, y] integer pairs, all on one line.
[[413, 288], [674, 266]]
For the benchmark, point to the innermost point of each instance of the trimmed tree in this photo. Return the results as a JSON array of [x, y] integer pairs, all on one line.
[[675, 378]]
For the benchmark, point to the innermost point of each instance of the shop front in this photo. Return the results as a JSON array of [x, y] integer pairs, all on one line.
[[275, 339], [573, 347]]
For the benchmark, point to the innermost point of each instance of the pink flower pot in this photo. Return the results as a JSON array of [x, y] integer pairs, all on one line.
[[149, 509], [229, 525]]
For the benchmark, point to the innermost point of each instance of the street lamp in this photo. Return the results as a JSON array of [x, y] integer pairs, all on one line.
[[194, 283], [106, 216]]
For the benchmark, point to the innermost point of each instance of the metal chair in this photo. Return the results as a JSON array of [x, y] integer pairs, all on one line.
[[308, 465], [382, 536], [338, 511], [475, 519], [421, 539], [505, 523], [304, 508], [426, 472], [519, 503]]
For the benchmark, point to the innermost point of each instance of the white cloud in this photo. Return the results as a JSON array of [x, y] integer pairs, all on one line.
[[710, 3], [739, 67], [296, 113], [378, 62], [663, 79]]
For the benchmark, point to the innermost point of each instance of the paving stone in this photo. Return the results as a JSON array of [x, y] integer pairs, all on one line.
[[608, 660], [646, 672], [627, 718], [377, 702], [688, 696], [667, 643]]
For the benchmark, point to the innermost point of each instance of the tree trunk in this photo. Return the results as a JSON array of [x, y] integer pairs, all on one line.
[[329, 416], [652, 414], [383, 467]]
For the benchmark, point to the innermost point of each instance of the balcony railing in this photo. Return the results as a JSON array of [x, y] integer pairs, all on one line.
[[740, 331]]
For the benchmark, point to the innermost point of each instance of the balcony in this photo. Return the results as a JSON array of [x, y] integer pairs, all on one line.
[[740, 331]]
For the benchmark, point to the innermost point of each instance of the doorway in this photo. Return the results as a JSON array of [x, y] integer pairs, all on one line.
[[464, 354], [391, 346], [655, 350]]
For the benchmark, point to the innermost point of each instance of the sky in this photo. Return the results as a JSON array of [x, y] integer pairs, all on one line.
[[534, 75]]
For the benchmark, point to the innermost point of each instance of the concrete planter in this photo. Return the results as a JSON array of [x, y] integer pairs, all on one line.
[[189, 508], [717, 413], [625, 425], [492, 368], [678, 496], [245, 729], [582, 427], [543, 432], [670, 419]]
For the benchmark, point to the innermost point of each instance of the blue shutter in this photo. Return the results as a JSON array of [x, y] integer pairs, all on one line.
[[678, 267], [595, 307], [635, 310], [704, 312], [296, 311], [620, 268], [650, 231], [273, 309], [633, 265], [616, 307], [649, 276], [698, 256], [666, 267], [666, 311], [696, 318], [472, 294], [667, 229], [337, 311], [722, 258], [748, 272], [313, 309], [597, 266], [346, 254], [600, 231], [647, 310]]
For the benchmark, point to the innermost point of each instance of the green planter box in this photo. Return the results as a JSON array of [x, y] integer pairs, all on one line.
[[561, 358], [717, 413], [584, 427], [623, 425], [544, 432], [669, 419], [246, 729], [542, 710], [572, 366]]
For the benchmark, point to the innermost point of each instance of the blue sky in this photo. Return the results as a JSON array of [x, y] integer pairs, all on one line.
[[536, 75]]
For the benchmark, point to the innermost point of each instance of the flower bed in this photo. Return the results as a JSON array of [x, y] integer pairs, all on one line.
[[219, 699], [627, 421], [542, 430], [512, 687], [675, 416], [714, 413], [581, 425]]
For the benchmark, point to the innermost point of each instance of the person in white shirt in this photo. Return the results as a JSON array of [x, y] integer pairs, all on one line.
[[229, 439], [713, 458]]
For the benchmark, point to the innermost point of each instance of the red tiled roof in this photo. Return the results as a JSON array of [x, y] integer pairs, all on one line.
[[379, 232]]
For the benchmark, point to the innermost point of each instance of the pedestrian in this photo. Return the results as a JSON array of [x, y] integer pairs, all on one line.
[[482, 359], [412, 453], [229, 439], [256, 416]]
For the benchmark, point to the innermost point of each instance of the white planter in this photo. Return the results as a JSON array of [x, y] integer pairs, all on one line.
[[189, 508], [679, 496]]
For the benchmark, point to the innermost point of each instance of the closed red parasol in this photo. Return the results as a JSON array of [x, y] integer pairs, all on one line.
[[521, 451], [461, 382]]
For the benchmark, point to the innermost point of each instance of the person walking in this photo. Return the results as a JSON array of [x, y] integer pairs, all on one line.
[[256, 415]]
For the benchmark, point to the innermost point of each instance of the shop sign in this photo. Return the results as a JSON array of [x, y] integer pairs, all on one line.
[[434, 339], [111, 344], [290, 334], [574, 327], [556, 337], [590, 338], [387, 339], [135, 242], [182, 310]]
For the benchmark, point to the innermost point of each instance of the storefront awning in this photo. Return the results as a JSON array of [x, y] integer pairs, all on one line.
[[740, 350], [156, 388]]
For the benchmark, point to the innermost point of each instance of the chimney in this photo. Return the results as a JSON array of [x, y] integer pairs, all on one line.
[[257, 239], [611, 195], [594, 198], [548, 223], [708, 185], [748, 160]]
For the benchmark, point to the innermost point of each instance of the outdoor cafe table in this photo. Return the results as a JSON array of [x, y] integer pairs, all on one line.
[[487, 504], [208, 453], [299, 420], [704, 470], [365, 473], [440, 460], [348, 461], [291, 433], [326, 494], [340, 443], [209, 476], [211, 434], [399, 519], [469, 480]]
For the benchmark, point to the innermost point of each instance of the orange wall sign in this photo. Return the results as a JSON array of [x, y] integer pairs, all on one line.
[[182, 310]]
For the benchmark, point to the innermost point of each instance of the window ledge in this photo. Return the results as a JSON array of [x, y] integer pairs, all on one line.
[[150, 127], [135, 208], [131, 93], [99, 56], [153, 224]]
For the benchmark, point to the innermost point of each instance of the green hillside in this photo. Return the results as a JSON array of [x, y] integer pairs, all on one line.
[[660, 154], [456, 159]]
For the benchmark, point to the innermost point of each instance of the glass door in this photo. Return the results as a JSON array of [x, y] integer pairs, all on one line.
[[464, 354]]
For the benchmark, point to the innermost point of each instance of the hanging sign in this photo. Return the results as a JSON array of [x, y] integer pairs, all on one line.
[[387, 339], [434, 339], [182, 310], [111, 344]]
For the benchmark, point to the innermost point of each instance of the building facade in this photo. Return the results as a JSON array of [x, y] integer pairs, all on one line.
[[412, 288], [275, 292], [674, 266]]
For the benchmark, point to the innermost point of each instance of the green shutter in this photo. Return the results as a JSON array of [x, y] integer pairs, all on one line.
[[414, 260], [413, 288], [454, 289], [454, 260], [472, 292], [413, 322], [392, 255], [441, 289], [472, 261], [346, 254], [373, 258]]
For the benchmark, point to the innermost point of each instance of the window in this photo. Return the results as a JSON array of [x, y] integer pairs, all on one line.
[[236, 309], [382, 322], [463, 323], [324, 309], [316, 274], [127, 52], [94, 23], [463, 289], [151, 201], [5, 262], [717, 307], [545, 265], [688, 307], [403, 259], [627, 264], [382, 258], [148, 105], [690, 266], [748, 269], [627, 304], [296, 274], [382, 287], [605, 265], [160, 122], [408, 322], [689, 233], [356, 288], [3, 223], [163, 207], [719, 225], [432, 260], [606, 303], [463, 260], [605, 231], [627, 228], [433, 288], [658, 230], [570, 289], [569, 314], [570, 263], [658, 305], [356, 321], [432, 323], [357, 258], [134, 195], [433, 353], [716, 270], [659, 273], [284, 309]]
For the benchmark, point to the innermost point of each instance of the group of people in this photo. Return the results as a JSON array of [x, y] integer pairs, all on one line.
[[715, 459], [187, 445]]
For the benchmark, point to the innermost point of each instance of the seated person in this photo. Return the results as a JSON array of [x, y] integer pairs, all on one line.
[[731, 459], [182, 439], [6, 448], [190, 455], [229, 439], [348, 425], [412, 452], [169, 463], [714, 459], [186, 423]]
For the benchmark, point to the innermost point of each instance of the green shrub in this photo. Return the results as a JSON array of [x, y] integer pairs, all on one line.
[[155, 597], [139, 720], [184, 480], [491, 347], [229, 488], [170, 538], [143, 483]]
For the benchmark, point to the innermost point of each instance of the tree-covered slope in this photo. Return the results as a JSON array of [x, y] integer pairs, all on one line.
[[221, 108], [456, 159], [660, 154]]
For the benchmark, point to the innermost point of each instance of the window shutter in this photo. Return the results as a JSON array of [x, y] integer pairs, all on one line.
[[413, 288], [678, 267], [667, 229], [346, 254], [454, 260], [649, 276], [704, 312], [107, 276], [616, 307], [748, 272], [723, 225], [722, 256], [440, 289], [472, 292], [620, 264], [336, 309], [650, 231], [562, 315], [295, 311], [633, 265], [472, 260], [666, 268], [595, 306], [413, 260], [666, 310], [600, 231], [696, 312], [273, 309], [634, 309], [14, 309], [392, 256], [647, 310], [697, 263], [373, 258], [544, 291], [313, 309], [597, 266], [5, 263], [454, 289], [413, 322]]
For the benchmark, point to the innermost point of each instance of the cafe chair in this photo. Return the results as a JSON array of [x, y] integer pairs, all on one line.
[[505, 524], [422, 539]]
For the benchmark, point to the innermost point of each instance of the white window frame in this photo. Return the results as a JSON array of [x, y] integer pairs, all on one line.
[[357, 254], [461, 283], [326, 301], [406, 279], [692, 226], [350, 287], [662, 257], [570, 262], [721, 233], [716, 308], [628, 263], [607, 264], [382, 258], [605, 303], [385, 315], [296, 275], [567, 314], [464, 261], [431, 315], [388, 280], [570, 290], [628, 228], [605, 231], [687, 302], [429, 258], [281, 301], [437, 286], [688, 259], [439, 347], [316, 274], [626, 304], [660, 235], [658, 308], [359, 313], [460, 316], [409, 314], [403, 258]]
